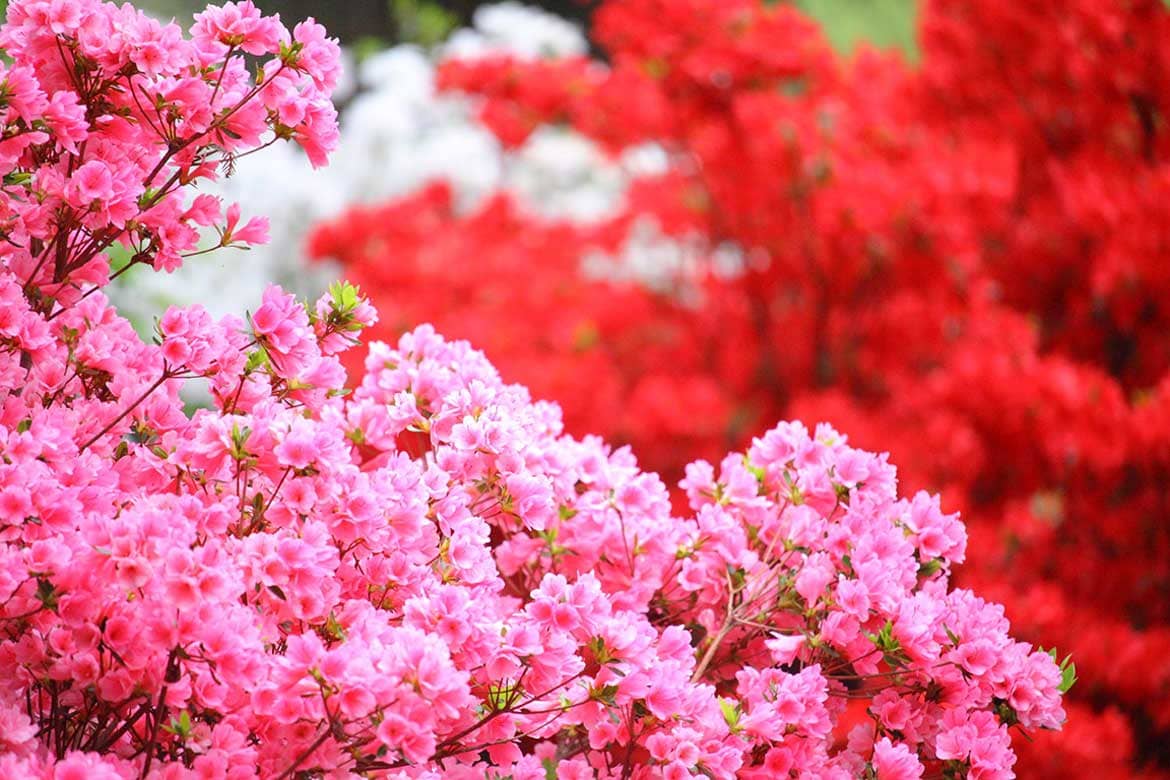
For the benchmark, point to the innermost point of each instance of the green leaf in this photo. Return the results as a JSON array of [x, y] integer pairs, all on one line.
[[930, 567], [882, 23], [1068, 670], [146, 199], [888, 644], [239, 442], [600, 650], [503, 694], [605, 694], [1068, 674], [422, 22], [756, 471], [258, 502], [257, 358], [333, 628], [47, 594], [180, 726], [344, 295], [731, 713], [1005, 712], [738, 577]]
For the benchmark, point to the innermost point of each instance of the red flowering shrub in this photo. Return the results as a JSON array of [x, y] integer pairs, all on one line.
[[965, 263]]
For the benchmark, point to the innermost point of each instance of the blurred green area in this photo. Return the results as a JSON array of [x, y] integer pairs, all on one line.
[[414, 21], [882, 23], [420, 21]]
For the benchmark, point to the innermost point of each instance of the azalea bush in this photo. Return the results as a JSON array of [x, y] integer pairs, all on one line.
[[962, 261], [397, 132], [425, 577]]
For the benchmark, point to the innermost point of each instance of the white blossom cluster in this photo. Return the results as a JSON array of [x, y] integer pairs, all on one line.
[[398, 134]]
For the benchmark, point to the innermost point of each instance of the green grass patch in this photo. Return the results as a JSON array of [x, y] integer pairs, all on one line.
[[887, 24]]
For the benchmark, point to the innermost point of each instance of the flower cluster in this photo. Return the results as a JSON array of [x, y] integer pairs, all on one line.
[[641, 354], [964, 262], [107, 114], [397, 133], [429, 576], [424, 578]]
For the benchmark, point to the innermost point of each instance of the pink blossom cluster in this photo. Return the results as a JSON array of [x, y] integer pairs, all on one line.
[[107, 114], [425, 578]]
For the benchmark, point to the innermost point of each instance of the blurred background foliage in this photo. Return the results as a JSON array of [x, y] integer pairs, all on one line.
[[883, 23], [372, 24]]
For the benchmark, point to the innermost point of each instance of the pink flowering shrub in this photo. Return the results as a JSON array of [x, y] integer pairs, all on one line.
[[426, 578]]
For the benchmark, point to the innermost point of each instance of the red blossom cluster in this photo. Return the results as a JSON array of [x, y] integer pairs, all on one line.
[[964, 262]]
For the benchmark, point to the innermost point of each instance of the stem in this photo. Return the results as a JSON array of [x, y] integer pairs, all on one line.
[[625, 541], [275, 491], [448, 746], [720, 635], [92, 290], [305, 755], [160, 712], [712, 648], [172, 674], [165, 376], [222, 72], [99, 742]]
